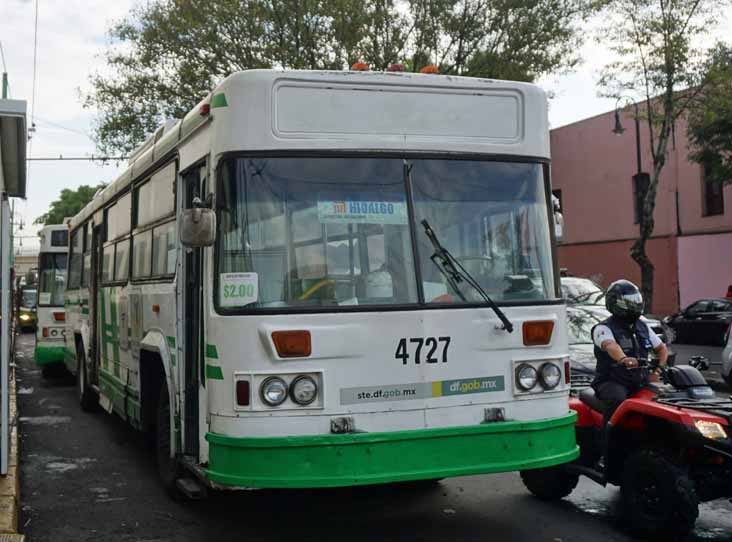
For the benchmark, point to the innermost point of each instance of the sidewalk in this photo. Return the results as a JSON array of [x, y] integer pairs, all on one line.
[[10, 484]]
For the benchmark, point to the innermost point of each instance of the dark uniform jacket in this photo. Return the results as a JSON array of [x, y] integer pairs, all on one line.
[[635, 340]]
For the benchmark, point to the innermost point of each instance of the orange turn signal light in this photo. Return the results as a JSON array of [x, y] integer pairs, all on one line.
[[538, 332], [45, 332], [59, 316], [292, 344]]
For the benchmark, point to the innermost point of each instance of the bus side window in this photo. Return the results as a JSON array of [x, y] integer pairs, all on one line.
[[75, 259]]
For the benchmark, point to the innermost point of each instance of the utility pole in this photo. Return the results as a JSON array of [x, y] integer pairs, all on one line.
[[5, 85]]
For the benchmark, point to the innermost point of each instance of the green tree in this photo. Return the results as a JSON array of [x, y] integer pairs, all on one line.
[[710, 118], [168, 54], [658, 60], [69, 203]]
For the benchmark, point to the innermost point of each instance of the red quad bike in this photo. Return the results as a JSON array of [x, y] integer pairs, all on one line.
[[669, 448]]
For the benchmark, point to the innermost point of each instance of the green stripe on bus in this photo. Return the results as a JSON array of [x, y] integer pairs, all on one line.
[[171, 341], [211, 351], [372, 458], [219, 100], [214, 372]]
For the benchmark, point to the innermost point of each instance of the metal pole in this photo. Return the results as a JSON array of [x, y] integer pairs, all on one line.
[[5, 86], [5, 331], [637, 138]]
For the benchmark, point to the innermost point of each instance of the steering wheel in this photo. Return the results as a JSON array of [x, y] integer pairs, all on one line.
[[316, 288]]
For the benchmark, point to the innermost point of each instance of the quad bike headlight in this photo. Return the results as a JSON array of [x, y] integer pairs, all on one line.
[[526, 377], [711, 430]]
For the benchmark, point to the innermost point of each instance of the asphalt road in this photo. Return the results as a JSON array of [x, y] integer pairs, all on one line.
[[87, 477]]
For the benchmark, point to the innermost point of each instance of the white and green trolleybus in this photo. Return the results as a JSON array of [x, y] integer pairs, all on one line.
[[328, 279], [52, 262]]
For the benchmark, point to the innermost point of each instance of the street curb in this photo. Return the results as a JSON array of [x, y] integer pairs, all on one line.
[[9, 484]]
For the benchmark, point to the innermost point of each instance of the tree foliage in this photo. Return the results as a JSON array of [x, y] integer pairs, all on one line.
[[69, 203], [710, 118], [659, 62], [168, 54]]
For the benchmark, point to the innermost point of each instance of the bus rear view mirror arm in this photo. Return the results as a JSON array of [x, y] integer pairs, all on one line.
[[197, 227]]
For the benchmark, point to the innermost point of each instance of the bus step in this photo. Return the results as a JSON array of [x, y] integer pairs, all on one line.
[[191, 488]]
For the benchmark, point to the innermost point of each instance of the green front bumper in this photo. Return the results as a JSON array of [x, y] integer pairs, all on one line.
[[48, 355], [375, 458]]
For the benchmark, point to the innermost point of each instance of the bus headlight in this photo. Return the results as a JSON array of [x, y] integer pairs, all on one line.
[[303, 390], [273, 391], [550, 376], [24, 317], [526, 377]]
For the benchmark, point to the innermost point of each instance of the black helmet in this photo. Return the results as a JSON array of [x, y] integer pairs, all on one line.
[[624, 300]]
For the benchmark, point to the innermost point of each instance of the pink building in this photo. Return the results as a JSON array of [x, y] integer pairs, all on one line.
[[592, 174]]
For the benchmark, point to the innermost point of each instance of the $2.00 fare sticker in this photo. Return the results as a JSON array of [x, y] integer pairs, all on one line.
[[238, 289]]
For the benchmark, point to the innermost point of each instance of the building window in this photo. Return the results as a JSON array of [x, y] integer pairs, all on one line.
[[640, 187], [712, 196]]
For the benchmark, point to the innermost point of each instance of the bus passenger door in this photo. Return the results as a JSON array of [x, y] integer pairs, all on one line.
[[193, 183], [94, 306]]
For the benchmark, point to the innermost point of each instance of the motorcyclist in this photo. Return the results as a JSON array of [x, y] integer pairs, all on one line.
[[620, 342]]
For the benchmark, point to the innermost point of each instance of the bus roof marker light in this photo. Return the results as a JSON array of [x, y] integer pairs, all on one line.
[[204, 110], [396, 68], [538, 332], [292, 343], [360, 67], [431, 69]]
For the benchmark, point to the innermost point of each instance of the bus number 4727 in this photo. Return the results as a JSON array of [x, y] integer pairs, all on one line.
[[428, 346]]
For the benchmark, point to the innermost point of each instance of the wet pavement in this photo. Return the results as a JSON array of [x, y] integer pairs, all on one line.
[[88, 477]]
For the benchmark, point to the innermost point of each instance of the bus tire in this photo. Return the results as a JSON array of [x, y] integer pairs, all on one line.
[[168, 468], [88, 399], [549, 484]]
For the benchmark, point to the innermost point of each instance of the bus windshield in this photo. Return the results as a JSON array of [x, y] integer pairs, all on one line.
[[317, 232], [52, 279]]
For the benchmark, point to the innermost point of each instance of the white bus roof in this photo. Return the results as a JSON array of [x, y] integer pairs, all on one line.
[[274, 110], [46, 239]]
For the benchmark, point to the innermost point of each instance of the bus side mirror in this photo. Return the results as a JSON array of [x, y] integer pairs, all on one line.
[[558, 226], [197, 227]]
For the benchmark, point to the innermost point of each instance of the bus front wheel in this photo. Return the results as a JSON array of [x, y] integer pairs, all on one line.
[[550, 483]]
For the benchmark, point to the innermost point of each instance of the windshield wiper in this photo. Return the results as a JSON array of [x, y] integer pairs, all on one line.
[[456, 273]]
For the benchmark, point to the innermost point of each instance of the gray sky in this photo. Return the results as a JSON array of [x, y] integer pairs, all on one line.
[[71, 38]]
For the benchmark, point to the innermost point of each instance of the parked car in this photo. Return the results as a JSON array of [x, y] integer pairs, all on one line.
[[581, 291], [703, 322], [727, 357], [27, 317], [587, 294], [581, 348]]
